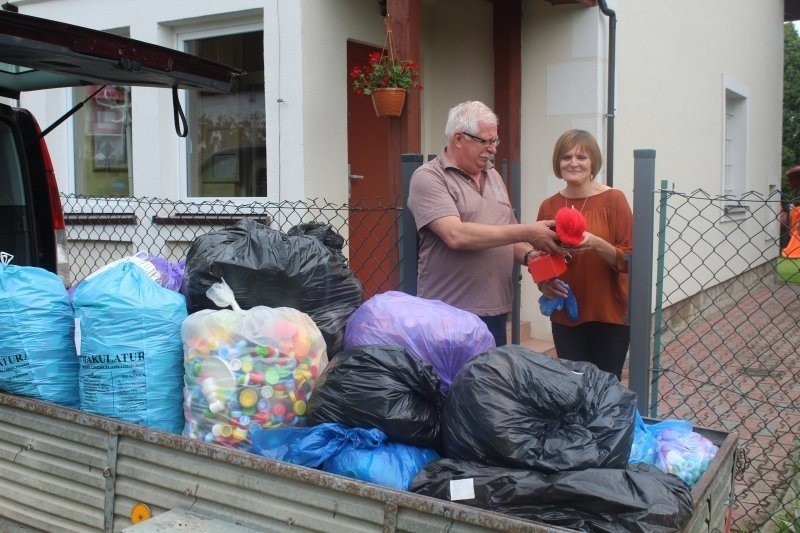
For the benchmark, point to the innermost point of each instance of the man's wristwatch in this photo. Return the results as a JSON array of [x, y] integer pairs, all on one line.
[[526, 259]]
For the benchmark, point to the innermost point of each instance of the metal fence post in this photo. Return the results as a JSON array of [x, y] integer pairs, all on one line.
[[515, 193], [657, 318], [641, 275], [408, 229]]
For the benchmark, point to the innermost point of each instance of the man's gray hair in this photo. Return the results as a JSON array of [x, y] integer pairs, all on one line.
[[466, 116]]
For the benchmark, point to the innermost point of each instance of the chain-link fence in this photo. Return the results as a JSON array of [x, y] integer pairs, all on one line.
[[101, 230], [727, 342], [725, 338]]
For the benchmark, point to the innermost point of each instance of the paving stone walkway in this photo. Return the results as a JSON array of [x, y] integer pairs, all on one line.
[[740, 371]]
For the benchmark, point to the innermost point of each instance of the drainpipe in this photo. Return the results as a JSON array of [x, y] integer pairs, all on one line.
[[612, 46]]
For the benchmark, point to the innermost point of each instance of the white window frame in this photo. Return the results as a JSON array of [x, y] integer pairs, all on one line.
[[735, 143]]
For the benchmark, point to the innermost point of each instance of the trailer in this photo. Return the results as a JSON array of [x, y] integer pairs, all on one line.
[[67, 470]]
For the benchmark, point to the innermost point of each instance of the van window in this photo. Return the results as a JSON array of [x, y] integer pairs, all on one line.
[[226, 148], [11, 184], [15, 233]]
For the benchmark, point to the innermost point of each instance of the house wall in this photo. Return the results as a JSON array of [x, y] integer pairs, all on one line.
[[563, 80], [674, 61], [672, 58], [305, 57], [327, 26], [457, 62]]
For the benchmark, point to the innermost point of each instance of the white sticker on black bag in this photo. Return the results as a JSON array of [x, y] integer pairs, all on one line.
[[462, 489]]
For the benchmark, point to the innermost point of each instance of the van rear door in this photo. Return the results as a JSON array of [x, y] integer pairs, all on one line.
[[37, 53]]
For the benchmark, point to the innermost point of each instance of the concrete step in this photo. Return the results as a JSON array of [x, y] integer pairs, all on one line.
[[542, 346]]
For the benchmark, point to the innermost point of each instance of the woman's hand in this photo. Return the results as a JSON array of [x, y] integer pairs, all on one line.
[[588, 244], [598, 245]]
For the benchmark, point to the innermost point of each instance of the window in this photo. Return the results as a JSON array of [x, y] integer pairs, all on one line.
[[226, 149], [103, 163], [734, 174]]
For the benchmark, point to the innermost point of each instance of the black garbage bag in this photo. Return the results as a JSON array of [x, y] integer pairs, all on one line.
[[267, 267], [380, 387], [514, 408], [639, 498], [323, 232]]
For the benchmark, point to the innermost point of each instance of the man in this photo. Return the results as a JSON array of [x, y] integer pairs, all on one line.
[[469, 237]]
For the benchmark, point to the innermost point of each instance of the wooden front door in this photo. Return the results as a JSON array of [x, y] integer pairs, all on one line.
[[374, 193]]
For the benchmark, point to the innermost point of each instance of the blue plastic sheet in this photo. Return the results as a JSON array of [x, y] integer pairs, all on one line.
[[37, 344], [131, 353], [363, 454]]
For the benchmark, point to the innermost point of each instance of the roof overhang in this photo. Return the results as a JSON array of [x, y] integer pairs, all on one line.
[[791, 10]]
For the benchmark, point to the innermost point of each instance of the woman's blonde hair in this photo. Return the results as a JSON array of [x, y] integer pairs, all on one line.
[[585, 142]]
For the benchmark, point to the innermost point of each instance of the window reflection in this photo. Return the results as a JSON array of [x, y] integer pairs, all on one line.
[[103, 163], [226, 152]]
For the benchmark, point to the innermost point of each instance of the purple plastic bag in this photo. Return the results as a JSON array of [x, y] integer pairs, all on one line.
[[430, 330], [171, 273]]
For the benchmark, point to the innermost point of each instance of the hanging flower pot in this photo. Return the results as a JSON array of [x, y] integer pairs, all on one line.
[[388, 101], [386, 78]]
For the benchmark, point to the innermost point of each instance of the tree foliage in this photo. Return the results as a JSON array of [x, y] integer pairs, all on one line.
[[791, 100]]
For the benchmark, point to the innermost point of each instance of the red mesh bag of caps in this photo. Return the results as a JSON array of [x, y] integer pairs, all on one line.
[[570, 225]]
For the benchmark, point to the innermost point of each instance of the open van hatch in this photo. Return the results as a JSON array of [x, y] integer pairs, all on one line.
[[37, 53]]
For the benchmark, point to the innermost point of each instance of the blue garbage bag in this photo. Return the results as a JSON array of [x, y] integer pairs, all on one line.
[[131, 352], [312, 446], [391, 464], [37, 342], [645, 443], [363, 454]]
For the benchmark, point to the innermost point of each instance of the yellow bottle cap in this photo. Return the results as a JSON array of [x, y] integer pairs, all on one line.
[[248, 398]]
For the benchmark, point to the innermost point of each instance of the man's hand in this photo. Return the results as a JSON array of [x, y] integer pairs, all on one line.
[[543, 237]]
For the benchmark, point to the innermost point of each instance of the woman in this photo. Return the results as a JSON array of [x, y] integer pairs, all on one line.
[[597, 271]]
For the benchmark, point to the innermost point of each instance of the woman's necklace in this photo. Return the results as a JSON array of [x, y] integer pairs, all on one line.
[[566, 203]]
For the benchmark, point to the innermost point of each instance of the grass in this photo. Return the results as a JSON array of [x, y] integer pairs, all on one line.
[[788, 270], [789, 520]]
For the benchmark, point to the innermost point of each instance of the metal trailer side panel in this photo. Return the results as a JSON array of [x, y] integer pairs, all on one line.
[[101, 467], [52, 470], [170, 478], [67, 470], [713, 493]]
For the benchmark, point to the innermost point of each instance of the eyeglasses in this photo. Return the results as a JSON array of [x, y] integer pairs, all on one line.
[[485, 142]]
